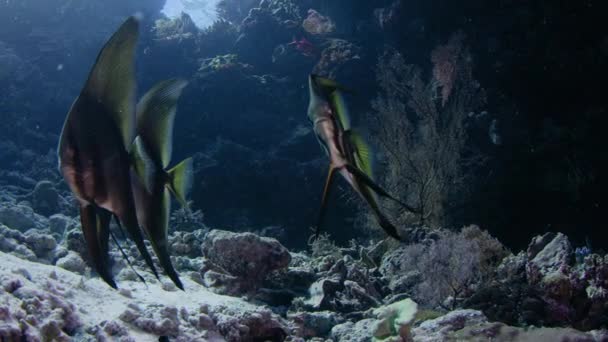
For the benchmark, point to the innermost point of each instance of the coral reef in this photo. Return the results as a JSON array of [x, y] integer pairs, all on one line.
[[354, 293], [545, 286], [243, 118]]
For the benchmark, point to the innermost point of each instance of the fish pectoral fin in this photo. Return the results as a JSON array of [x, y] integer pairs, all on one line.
[[329, 86], [156, 116], [95, 223], [325, 196], [180, 180], [363, 153], [143, 165], [367, 181]]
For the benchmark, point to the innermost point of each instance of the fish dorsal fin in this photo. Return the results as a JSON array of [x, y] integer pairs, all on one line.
[[112, 81], [339, 105], [155, 118], [363, 154]]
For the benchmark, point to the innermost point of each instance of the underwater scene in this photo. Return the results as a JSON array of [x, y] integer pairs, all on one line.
[[303, 170]]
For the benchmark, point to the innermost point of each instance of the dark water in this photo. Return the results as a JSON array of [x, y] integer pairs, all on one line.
[[517, 88]]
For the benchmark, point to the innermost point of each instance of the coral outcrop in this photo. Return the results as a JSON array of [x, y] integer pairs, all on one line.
[[245, 258]]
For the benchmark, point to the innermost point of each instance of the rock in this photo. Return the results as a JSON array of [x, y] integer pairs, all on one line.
[[394, 321], [45, 199], [39, 242], [74, 241], [439, 329], [318, 24], [511, 303], [322, 293], [245, 255], [10, 238], [72, 262], [258, 325], [187, 244], [24, 253], [59, 225], [501, 332], [512, 267], [50, 317], [405, 283], [282, 17], [354, 332], [548, 255], [21, 217], [314, 324], [339, 59], [388, 17]]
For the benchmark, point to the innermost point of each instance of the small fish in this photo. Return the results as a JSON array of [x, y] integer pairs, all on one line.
[[304, 46], [347, 151], [151, 156], [92, 152]]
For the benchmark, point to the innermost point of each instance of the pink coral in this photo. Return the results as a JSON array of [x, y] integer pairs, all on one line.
[[446, 59], [317, 24]]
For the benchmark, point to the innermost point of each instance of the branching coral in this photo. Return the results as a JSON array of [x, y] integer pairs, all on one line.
[[421, 126]]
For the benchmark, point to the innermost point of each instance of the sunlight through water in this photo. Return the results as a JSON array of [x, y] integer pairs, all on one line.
[[202, 12]]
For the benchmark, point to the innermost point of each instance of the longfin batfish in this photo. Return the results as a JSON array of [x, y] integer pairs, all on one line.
[[152, 155], [93, 155], [347, 151]]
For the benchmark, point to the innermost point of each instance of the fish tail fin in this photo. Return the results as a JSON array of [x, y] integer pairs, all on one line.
[[96, 230], [326, 190], [180, 180]]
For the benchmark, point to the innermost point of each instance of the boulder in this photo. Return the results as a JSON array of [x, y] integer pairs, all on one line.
[[45, 198], [395, 321], [549, 255], [502, 332], [21, 217], [72, 262], [245, 256], [439, 329], [314, 324], [354, 332]]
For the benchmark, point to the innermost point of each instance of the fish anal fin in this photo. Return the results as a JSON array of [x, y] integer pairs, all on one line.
[[324, 198], [96, 230], [371, 184], [160, 243]]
